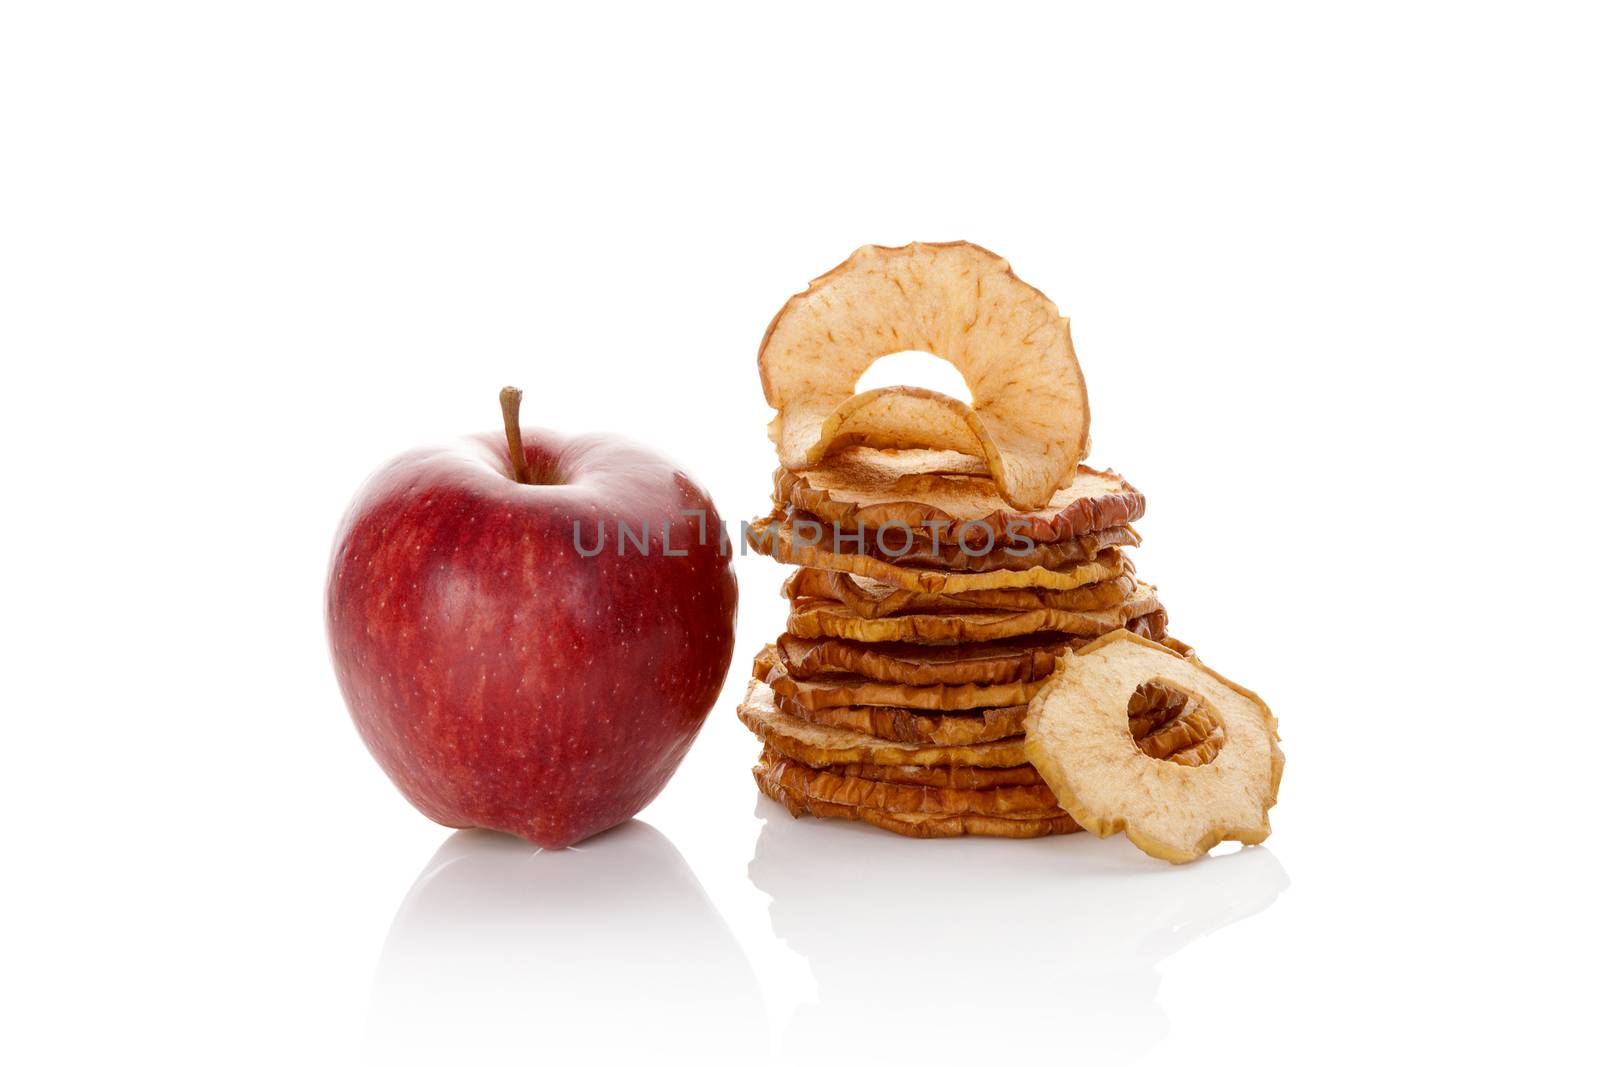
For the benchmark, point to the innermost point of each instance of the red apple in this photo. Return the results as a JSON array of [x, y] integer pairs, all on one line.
[[503, 672]]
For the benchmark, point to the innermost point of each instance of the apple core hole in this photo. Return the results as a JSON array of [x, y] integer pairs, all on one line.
[[1170, 723], [915, 368]]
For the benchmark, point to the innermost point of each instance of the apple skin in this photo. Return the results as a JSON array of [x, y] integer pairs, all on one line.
[[501, 679]]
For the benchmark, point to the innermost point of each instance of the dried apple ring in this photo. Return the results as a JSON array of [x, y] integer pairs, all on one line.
[[875, 600], [842, 690], [1029, 417], [1077, 736], [827, 618]]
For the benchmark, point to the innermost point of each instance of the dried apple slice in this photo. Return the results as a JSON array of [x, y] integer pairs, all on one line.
[[948, 777], [1030, 658], [820, 746], [872, 599], [1020, 659], [941, 490], [1077, 735], [948, 568], [913, 824], [1026, 801], [827, 618], [867, 597], [913, 724], [842, 690], [1029, 417]]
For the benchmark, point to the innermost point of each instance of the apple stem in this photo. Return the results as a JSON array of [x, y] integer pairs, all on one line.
[[510, 406]]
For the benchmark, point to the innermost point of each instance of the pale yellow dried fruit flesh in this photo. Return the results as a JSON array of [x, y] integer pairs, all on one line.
[[1078, 737], [1029, 417]]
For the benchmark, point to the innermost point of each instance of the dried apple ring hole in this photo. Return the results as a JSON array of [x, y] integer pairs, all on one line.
[[1168, 722], [921, 369]]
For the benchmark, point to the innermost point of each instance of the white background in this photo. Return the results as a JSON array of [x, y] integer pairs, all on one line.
[[1332, 280]]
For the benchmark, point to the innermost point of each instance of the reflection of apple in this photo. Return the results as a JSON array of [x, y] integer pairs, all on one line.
[[504, 678], [608, 953]]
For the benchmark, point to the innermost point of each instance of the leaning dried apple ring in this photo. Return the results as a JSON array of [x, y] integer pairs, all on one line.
[[1078, 738], [1029, 417]]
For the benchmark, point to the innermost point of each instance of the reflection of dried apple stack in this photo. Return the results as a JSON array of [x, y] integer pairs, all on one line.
[[953, 560]]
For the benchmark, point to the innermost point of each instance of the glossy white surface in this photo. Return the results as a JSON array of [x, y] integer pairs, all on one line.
[[900, 936], [1332, 283]]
